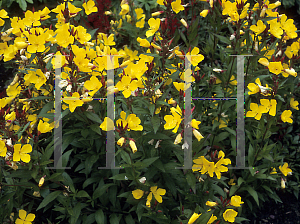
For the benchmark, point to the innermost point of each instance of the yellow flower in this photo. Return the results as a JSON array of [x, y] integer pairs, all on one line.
[[24, 218], [256, 111], [193, 218], [174, 120], [107, 124], [45, 127], [275, 67], [13, 90], [154, 26], [137, 194], [121, 141], [3, 148], [133, 146], [212, 219], [286, 116], [264, 62], [93, 85], [125, 9], [208, 167], [157, 193], [195, 56], [211, 204], [140, 16], [294, 104], [285, 169], [176, 6], [259, 28], [229, 215], [236, 201], [195, 123], [220, 168], [231, 182], [273, 171], [198, 163], [22, 153], [126, 85], [3, 14], [107, 41], [270, 105], [143, 42], [73, 101], [275, 28], [89, 7]]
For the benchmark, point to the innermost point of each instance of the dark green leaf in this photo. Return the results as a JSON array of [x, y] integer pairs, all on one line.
[[50, 197]]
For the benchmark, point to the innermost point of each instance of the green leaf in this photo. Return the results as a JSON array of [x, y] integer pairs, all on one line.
[[99, 216], [223, 39], [251, 156], [129, 219], [50, 197], [183, 37], [145, 163], [191, 180], [240, 181], [30, 1], [92, 116], [155, 121], [120, 176], [92, 32], [82, 194], [22, 4], [204, 218], [101, 190], [76, 212], [96, 128], [114, 219], [253, 193], [232, 190], [68, 181], [152, 109]]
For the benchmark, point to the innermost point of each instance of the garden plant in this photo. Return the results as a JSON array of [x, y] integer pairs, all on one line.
[[172, 69]]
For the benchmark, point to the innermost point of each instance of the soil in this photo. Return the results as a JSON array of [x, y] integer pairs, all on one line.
[[287, 212]]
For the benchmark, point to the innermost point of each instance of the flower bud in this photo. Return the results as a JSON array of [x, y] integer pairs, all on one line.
[[133, 146], [156, 13], [184, 23], [142, 180], [42, 180], [282, 183], [197, 134], [121, 141], [232, 37], [204, 12], [178, 139], [156, 46], [108, 13], [291, 72], [263, 12]]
